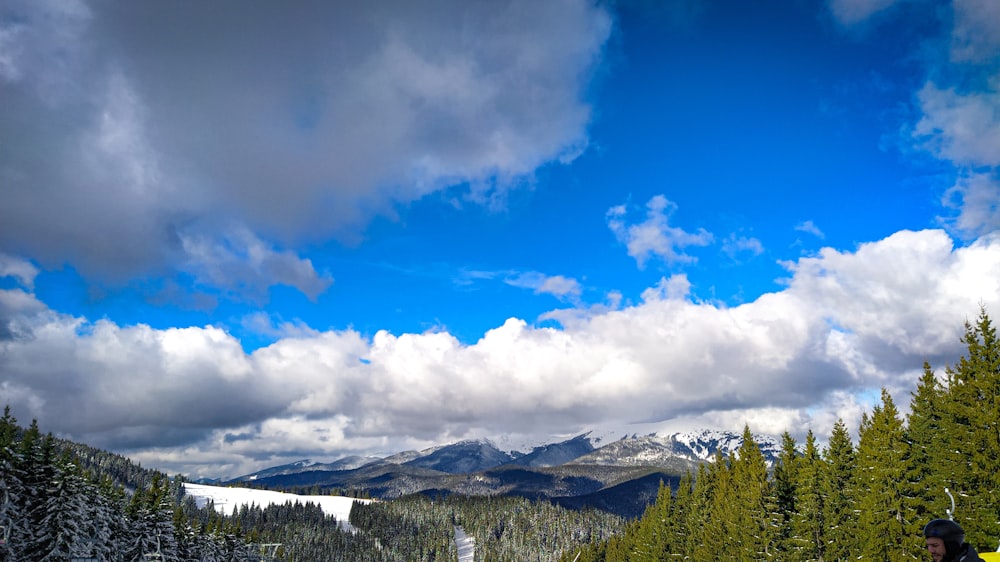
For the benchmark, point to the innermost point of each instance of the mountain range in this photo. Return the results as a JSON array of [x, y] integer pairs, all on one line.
[[621, 476]]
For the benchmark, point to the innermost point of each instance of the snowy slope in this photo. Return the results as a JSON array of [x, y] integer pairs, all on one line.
[[226, 499], [465, 545]]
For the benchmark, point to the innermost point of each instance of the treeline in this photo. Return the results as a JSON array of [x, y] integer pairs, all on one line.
[[421, 529], [505, 528], [52, 509], [61, 500], [867, 501]]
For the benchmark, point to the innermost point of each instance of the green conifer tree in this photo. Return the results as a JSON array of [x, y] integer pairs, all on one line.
[[971, 429], [702, 539], [680, 511], [652, 536], [750, 515], [783, 484], [838, 491], [883, 531], [924, 471]]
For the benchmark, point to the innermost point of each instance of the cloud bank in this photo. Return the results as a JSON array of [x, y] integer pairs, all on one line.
[[847, 324], [176, 125]]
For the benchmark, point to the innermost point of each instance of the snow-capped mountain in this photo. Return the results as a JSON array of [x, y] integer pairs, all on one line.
[[673, 450], [463, 457], [704, 444], [666, 450], [555, 454], [590, 469], [306, 465]]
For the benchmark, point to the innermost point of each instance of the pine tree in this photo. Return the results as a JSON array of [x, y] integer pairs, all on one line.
[[808, 526], [838, 491], [702, 531], [883, 519], [750, 514], [680, 515], [10, 485], [65, 513], [37, 471], [783, 484], [653, 532], [924, 471], [971, 426]]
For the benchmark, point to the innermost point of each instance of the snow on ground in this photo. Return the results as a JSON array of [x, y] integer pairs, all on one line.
[[226, 499], [465, 545]]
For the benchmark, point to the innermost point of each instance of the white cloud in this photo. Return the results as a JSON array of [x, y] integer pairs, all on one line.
[[847, 324], [976, 33], [735, 246], [964, 128], [976, 198], [264, 324], [853, 12], [961, 127], [556, 285], [811, 228], [20, 269], [172, 121], [655, 236]]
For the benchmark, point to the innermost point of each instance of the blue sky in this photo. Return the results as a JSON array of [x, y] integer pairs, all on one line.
[[229, 241]]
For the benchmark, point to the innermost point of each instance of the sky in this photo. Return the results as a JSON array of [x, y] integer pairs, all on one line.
[[234, 235]]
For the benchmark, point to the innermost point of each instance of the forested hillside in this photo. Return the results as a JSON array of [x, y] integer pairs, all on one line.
[[849, 501], [61, 500]]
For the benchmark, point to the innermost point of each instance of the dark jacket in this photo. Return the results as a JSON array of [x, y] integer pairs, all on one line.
[[965, 554]]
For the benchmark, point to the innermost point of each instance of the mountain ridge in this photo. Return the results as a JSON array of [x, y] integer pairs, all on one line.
[[571, 472]]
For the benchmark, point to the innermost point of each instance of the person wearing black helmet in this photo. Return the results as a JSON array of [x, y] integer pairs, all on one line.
[[946, 542]]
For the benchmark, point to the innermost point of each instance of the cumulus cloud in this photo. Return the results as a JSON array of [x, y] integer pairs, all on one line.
[[847, 324], [654, 237], [170, 122]]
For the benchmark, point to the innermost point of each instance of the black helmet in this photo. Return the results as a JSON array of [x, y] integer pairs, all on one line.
[[948, 531]]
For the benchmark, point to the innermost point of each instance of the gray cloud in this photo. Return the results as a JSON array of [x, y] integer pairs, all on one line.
[[975, 198], [171, 122], [976, 34], [847, 324]]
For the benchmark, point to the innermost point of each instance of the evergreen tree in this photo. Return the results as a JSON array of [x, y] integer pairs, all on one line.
[[680, 515], [709, 517], [971, 426], [10, 485], [838, 491], [924, 467], [65, 513], [751, 511], [784, 482], [808, 526], [884, 517], [652, 538], [37, 470]]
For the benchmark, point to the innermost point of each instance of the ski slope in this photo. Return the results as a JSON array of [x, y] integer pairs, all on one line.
[[226, 499]]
